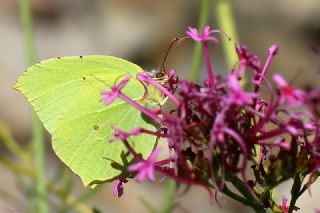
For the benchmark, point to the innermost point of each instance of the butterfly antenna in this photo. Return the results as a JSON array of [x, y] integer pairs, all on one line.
[[174, 43], [119, 78], [100, 80], [296, 75]]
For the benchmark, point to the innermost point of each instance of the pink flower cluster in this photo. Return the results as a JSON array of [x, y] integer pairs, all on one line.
[[218, 129]]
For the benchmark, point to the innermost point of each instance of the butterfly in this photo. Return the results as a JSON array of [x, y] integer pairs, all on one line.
[[65, 94]]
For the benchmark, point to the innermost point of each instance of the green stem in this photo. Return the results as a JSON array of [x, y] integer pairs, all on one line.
[[25, 13], [20, 171], [8, 141], [37, 128], [81, 199], [253, 205], [235, 197], [147, 205], [292, 204], [168, 202], [243, 189], [197, 52], [305, 187], [295, 192], [14, 167], [227, 25], [265, 194]]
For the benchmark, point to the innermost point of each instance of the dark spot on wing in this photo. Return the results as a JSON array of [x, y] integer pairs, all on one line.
[[58, 57], [84, 78], [96, 127], [81, 56]]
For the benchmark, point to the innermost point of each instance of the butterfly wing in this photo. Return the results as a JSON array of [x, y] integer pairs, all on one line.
[[65, 94]]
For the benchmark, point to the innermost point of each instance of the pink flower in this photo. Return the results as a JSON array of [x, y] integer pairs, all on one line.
[[247, 59], [205, 36], [284, 206], [118, 187], [237, 95], [217, 133], [145, 168], [281, 142], [294, 96], [110, 96], [122, 135], [273, 51]]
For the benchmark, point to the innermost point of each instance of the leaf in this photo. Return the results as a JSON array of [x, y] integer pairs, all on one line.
[[65, 93]]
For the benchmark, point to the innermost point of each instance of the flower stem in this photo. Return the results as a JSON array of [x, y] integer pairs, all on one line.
[[242, 200], [37, 128], [243, 189], [168, 202], [265, 194], [197, 53], [227, 25], [234, 196], [295, 192], [132, 151], [139, 107], [208, 62]]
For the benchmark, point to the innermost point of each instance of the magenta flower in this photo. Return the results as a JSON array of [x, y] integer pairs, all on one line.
[[247, 59], [110, 96], [284, 206], [205, 36], [145, 168], [294, 96], [213, 129], [237, 95], [118, 187], [122, 135], [281, 142], [217, 131], [273, 51]]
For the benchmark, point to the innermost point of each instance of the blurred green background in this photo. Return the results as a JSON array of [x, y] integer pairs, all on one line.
[[139, 31]]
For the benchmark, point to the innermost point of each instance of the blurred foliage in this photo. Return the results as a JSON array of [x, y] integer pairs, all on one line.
[[18, 161]]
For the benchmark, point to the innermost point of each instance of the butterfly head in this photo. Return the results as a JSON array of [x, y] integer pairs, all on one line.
[[160, 76]]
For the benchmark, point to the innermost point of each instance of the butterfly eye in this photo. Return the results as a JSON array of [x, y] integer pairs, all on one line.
[[154, 73], [160, 76], [159, 73]]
